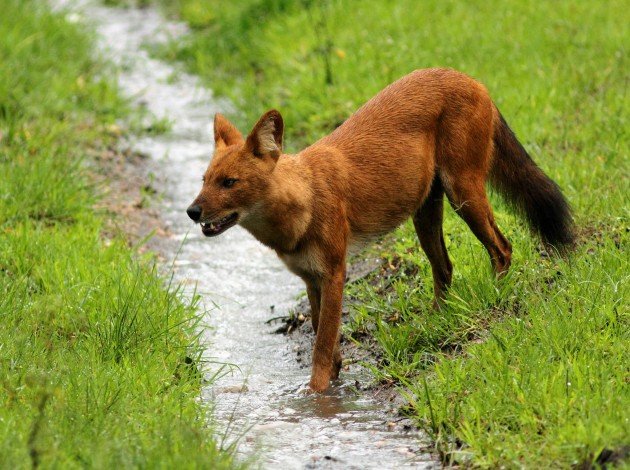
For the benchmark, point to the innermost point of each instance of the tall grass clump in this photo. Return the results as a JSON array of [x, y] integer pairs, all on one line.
[[91, 340]]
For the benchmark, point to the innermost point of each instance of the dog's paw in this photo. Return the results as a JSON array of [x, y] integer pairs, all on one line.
[[318, 384]]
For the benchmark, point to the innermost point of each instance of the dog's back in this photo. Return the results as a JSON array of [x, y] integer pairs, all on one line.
[[384, 157]]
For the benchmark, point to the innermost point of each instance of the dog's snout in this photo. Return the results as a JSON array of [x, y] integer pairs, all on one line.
[[194, 212]]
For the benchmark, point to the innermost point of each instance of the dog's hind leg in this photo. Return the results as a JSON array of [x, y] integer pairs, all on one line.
[[428, 224], [468, 197]]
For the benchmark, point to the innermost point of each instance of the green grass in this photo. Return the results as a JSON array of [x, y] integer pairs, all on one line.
[[93, 346], [528, 371]]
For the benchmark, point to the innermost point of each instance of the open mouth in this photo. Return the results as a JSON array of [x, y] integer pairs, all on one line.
[[216, 227]]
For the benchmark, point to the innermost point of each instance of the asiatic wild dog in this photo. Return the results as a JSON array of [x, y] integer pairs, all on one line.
[[433, 132]]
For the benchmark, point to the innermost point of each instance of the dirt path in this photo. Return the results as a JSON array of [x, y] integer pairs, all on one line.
[[242, 284]]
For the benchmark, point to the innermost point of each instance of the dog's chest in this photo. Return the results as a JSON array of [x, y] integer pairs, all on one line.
[[306, 263]]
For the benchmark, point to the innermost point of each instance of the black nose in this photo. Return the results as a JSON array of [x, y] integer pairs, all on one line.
[[194, 212]]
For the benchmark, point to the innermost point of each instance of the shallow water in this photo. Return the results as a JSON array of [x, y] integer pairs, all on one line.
[[242, 283]]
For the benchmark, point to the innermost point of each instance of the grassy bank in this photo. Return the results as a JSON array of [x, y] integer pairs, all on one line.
[[92, 347], [529, 371]]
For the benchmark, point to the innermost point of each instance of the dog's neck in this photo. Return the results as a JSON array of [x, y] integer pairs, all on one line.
[[281, 218]]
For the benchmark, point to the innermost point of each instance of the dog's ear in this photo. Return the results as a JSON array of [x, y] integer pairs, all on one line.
[[225, 133], [266, 136]]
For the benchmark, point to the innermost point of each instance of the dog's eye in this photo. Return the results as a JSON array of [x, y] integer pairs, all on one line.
[[228, 182]]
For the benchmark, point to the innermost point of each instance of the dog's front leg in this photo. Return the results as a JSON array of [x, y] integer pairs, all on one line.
[[326, 355]]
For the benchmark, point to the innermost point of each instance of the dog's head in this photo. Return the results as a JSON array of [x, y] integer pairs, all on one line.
[[238, 174]]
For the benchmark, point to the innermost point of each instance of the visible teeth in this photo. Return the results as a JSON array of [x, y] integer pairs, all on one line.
[[217, 224]]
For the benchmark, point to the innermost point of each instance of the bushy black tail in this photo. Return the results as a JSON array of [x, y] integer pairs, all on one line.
[[515, 175]]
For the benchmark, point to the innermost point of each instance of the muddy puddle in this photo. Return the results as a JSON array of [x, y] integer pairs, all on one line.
[[260, 405]]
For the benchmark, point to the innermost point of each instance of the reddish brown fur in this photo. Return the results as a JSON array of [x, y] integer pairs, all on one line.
[[429, 133]]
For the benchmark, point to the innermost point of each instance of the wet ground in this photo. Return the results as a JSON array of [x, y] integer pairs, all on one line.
[[259, 405]]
